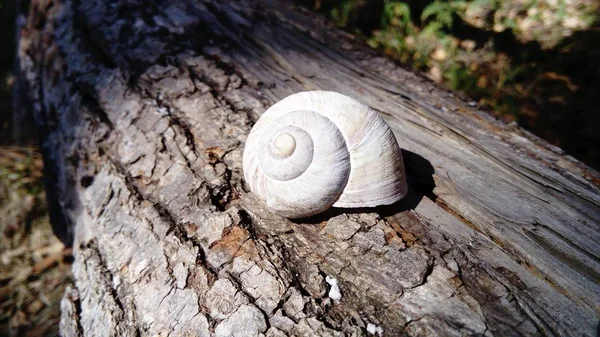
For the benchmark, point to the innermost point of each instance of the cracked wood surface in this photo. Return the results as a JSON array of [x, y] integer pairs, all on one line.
[[143, 109]]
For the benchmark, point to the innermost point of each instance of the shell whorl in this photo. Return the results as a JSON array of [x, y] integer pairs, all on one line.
[[317, 149]]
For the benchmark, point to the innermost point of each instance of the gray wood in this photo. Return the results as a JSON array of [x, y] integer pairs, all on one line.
[[144, 108]]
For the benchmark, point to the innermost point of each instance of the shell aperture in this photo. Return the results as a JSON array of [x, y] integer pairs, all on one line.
[[318, 149]]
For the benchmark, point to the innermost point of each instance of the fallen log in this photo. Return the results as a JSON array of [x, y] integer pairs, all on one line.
[[143, 109]]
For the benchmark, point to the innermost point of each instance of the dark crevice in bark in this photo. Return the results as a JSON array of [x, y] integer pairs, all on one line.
[[281, 303], [220, 93], [105, 203], [161, 210], [495, 315], [131, 187], [294, 271], [246, 223], [426, 274], [174, 120], [292, 268], [187, 132], [106, 274], [228, 69], [93, 107], [170, 220], [77, 302], [220, 196], [107, 278], [240, 288], [201, 260]]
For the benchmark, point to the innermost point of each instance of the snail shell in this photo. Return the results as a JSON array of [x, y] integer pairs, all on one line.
[[317, 149]]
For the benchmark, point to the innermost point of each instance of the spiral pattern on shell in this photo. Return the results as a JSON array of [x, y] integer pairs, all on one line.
[[317, 149]]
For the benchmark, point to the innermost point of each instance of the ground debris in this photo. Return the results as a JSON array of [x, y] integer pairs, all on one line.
[[34, 264]]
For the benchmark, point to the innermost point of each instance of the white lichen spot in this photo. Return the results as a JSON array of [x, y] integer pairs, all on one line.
[[374, 329], [334, 292]]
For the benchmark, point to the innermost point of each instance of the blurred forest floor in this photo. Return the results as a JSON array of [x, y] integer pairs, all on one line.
[[34, 264], [534, 62]]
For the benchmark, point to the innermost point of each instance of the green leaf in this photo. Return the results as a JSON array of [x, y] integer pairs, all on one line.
[[399, 10], [440, 12]]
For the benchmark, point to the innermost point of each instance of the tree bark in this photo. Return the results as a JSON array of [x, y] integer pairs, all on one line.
[[143, 110]]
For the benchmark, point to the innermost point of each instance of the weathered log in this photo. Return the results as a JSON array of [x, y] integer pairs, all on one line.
[[143, 109]]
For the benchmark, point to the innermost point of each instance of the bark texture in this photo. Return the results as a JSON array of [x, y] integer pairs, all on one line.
[[143, 108]]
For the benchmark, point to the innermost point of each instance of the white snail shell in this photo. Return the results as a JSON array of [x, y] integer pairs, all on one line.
[[317, 149]]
